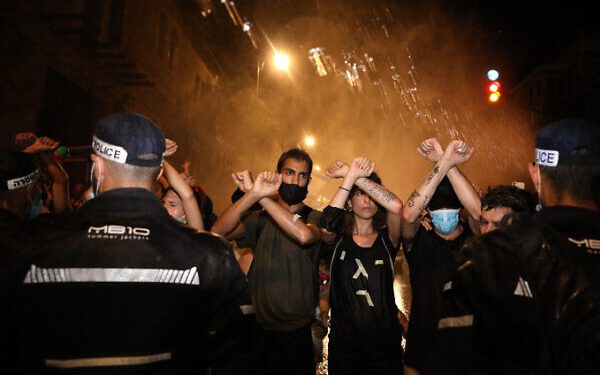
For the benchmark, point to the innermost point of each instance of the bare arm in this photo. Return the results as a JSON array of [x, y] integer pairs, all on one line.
[[467, 196], [186, 194], [42, 148], [229, 223], [356, 174], [457, 152], [266, 184], [419, 198]]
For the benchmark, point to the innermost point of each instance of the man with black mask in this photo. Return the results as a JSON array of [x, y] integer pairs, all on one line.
[[283, 276], [431, 253]]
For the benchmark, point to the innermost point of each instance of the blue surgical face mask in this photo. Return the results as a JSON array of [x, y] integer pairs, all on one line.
[[445, 221]]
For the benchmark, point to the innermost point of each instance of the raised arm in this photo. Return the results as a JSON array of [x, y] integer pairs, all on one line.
[[468, 197], [267, 184], [456, 153], [229, 223], [183, 190], [42, 148], [431, 150], [186, 194], [357, 174]]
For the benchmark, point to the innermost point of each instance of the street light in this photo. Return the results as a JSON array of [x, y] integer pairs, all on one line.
[[281, 62], [309, 141]]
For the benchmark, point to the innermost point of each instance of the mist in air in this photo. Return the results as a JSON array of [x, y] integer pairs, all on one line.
[[365, 79]]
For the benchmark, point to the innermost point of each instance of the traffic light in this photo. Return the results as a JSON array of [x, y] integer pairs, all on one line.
[[494, 87]]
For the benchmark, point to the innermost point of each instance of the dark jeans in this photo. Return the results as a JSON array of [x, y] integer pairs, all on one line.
[[288, 352]]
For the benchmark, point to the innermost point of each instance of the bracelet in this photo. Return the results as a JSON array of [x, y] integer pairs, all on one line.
[[343, 188], [295, 218]]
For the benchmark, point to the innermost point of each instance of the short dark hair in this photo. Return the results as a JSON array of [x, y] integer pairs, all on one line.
[[579, 181], [518, 200], [297, 154]]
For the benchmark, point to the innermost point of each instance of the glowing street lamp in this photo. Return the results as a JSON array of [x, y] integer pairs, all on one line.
[[281, 61], [309, 141]]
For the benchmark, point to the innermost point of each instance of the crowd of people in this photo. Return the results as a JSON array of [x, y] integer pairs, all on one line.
[[137, 274]]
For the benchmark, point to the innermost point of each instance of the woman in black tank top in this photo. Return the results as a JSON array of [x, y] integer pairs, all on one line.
[[365, 335]]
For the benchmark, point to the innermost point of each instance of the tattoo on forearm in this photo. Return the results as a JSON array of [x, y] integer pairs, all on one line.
[[376, 190], [425, 202], [435, 171], [411, 200]]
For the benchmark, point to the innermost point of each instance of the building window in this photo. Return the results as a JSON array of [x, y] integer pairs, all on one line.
[[162, 36]]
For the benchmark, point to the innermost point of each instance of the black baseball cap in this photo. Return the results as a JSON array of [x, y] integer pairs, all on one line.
[[17, 170], [444, 197], [570, 141], [129, 138]]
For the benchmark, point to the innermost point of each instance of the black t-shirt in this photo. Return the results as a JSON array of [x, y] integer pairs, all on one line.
[[363, 311], [432, 261]]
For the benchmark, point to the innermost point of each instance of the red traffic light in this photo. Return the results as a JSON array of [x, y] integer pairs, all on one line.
[[494, 86]]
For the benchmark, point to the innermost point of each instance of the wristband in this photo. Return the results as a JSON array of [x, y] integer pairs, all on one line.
[[343, 188]]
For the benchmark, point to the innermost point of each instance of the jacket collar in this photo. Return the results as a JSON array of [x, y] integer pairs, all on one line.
[[126, 200]]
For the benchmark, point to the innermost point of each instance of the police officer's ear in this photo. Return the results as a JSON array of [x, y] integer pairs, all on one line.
[[534, 173]]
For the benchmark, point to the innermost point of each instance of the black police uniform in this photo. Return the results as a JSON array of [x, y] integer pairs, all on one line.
[[525, 300], [120, 287]]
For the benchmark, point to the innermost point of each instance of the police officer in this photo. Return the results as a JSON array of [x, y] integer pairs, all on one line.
[[120, 287], [526, 298]]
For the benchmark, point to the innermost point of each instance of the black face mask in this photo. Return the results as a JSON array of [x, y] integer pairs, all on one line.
[[292, 193]]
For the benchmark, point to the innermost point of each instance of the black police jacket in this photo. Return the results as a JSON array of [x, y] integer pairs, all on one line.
[[525, 299], [120, 287]]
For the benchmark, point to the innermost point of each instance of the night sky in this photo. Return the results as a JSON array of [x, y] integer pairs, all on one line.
[[530, 33]]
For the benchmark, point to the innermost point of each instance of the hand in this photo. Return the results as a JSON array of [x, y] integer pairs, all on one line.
[[170, 147], [426, 223], [243, 180], [457, 152], [431, 150], [338, 169], [361, 167], [188, 178], [31, 144], [327, 237], [267, 184]]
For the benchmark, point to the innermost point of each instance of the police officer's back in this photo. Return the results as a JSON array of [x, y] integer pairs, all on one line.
[[119, 287], [526, 299]]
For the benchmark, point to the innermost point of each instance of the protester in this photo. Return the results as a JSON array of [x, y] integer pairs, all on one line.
[[366, 335], [179, 198], [431, 254], [501, 201], [285, 239]]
